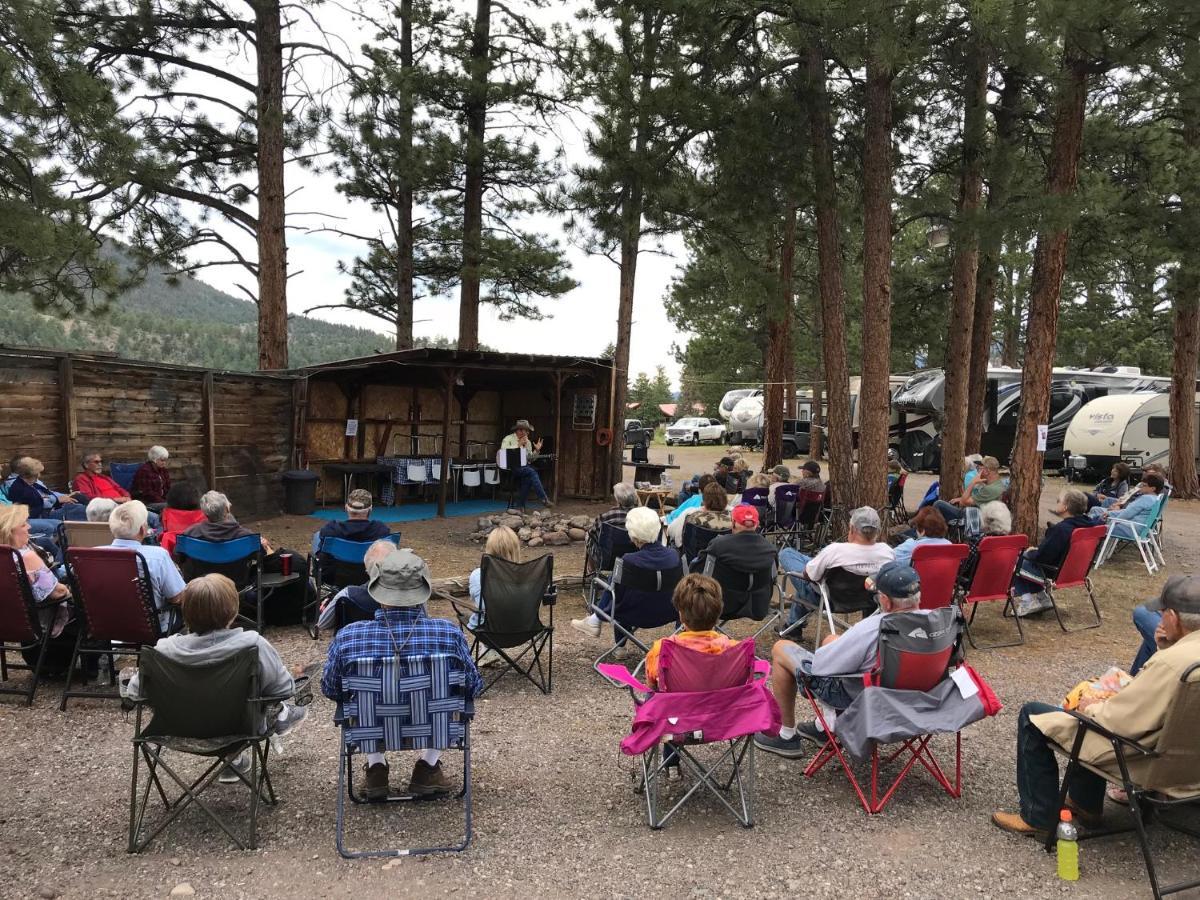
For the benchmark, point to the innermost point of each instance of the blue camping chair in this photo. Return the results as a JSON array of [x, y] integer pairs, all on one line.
[[758, 498], [641, 599], [338, 563], [403, 703], [240, 559], [122, 473], [612, 543]]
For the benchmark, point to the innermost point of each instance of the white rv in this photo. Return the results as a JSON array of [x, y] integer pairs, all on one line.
[[1130, 428], [731, 398]]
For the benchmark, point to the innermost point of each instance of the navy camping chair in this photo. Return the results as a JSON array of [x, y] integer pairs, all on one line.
[[787, 515], [641, 599], [122, 473], [338, 563], [612, 542], [240, 559], [758, 498], [746, 592], [398, 703], [696, 539]]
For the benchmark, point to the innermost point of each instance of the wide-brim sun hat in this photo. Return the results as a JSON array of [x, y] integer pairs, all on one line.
[[523, 423], [400, 579]]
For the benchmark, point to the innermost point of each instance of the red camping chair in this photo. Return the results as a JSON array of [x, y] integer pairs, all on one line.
[[115, 601], [998, 557], [1076, 571], [915, 654], [938, 566], [20, 628]]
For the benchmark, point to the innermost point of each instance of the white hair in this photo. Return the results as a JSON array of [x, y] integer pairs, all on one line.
[[643, 524], [995, 518], [156, 453], [215, 506], [912, 602], [376, 552], [625, 495], [100, 509], [1189, 622], [128, 521]]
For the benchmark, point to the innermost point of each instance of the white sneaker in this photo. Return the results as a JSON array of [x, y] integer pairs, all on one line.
[[587, 627]]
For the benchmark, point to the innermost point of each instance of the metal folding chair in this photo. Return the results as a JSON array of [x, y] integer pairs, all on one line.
[[1083, 552], [240, 559], [641, 599], [997, 559], [842, 593], [209, 711], [747, 593], [403, 703], [612, 542], [338, 563], [1143, 536], [786, 527], [695, 539], [513, 595], [114, 602], [938, 566], [21, 628]]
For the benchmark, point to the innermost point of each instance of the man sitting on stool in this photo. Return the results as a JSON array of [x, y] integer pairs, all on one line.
[[526, 475]]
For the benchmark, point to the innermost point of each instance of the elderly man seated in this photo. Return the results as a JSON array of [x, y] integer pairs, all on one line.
[[862, 553], [643, 526], [92, 482], [743, 549], [357, 595], [357, 526], [986, 487], [128, 524], [626, 499], [101, 508], [1138, 711], [401, 583], [835, 669]]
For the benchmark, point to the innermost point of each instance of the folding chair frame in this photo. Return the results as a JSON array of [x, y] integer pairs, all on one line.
[[326, 591], [1145, 538], [254, 562], [621, 635], [654, 765], [963, 591], [35, 629], [542, 641]]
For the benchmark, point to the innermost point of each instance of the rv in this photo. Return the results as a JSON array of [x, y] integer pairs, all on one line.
[[925, 394], [1130, 428], [731, 398]]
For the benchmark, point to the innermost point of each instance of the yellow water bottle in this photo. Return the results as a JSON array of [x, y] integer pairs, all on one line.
[[1068, 847]]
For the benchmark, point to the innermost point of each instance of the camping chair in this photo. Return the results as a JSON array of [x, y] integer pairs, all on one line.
[[20, 624], [1143, 536], [916, 652], [117, 617], [809, 506], [122, 473], [343, 568], [895, 512], [612, 542], [403, 703], [514, 594], [695, 540], [240, 559], [758, 498], [747, 593], [842, 593], [1174, 761], [641, 599], [998, 557], [938, 566], [1076, 571], [785, 529], [84, 534], [211, 711], [702, 698]]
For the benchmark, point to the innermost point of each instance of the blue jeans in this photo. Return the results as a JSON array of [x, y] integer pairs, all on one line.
[[791, 560], [1145, 622], [1037, 775], [527, 480], [829, 689], [68, 512], [949, 511], [1034, 579]]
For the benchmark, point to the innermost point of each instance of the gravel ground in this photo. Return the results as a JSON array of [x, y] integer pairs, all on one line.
[[554, 811]]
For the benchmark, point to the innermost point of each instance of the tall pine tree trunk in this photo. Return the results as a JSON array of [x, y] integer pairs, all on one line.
[[476, 136], [404, 242], [779, 328], [966, 266], [272, 239], [1014, 309], [874, 394], [830, 283], [1187, 294], [991, 245], [1049, 265]]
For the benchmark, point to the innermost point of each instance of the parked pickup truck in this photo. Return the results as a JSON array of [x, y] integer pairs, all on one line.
[[695, 430], [636, 434]]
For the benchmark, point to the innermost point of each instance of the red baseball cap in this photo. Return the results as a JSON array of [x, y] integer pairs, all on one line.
[[744, 514]]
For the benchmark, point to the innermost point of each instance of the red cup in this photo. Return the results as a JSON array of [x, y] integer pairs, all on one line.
[[285, 563]]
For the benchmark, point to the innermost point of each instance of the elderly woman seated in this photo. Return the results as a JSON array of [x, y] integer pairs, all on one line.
[[181, 513], [28, 489], [644, 527], [1030, 580], [100, 509], [51, 595], [626, 499], [152, 480]]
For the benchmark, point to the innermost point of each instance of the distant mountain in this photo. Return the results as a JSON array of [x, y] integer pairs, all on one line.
[[188, 323]]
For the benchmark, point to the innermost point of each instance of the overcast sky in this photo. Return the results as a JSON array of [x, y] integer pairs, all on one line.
[[582, 322]]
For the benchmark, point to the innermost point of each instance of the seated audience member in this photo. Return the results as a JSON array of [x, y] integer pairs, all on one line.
[[741, 475], [643, 526], [1134, 492], [930, 528], [894, 471], [91, 481], [995, 520], [743, 548], [810, 478], [357, 526], [779, 475], [836, 668], [724, 475], [1030, 579], [1113, 488], [181, 513], [28, 490], [985, 488], [626, 499], [503, 543], [675, 517], [862, 553], [128, 526], [972, 463], [100, 509], [401, 584], [1137, 711], [359, 595], [713, 512], [152, 481], [699, 602], [1139, 510]]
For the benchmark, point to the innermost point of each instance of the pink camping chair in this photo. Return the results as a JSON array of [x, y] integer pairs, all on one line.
[[703, 698]]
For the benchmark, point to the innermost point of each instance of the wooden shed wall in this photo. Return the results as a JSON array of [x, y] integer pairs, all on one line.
[[54, 406]]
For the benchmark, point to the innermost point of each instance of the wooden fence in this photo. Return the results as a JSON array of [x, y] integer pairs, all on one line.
[[231, 431]]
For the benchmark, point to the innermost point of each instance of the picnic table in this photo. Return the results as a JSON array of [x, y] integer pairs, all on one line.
[[656, 496]]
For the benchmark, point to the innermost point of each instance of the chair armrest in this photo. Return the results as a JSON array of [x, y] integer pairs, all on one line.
[[1089, 724], [460, 606]]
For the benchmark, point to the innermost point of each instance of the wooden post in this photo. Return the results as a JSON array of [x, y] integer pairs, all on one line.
[[210, 431], [70, 426], [300, 417], [451, 376], [558, 383]]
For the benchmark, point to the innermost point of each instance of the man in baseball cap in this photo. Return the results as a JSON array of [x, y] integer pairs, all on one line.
[[743, 549], [836, 668], [357, 526], [400, 583]]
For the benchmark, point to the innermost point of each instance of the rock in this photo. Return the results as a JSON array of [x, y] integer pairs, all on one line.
[[513, 522], [525, 533], [183, 889], [484, 524], [47, 893], [576, 534], [556, 539], [535, 542], [580, 521]]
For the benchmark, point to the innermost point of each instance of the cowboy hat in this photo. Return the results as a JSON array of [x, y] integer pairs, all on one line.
[[523, 423]]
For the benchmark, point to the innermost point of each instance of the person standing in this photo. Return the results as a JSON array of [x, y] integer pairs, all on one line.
[[526, 475]]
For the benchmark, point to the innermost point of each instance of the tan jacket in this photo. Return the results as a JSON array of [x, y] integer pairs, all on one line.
[[1138, 712]]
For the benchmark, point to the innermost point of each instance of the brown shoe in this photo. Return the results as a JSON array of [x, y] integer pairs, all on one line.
[[1084, 817], [1013, 823], [428, 780], [376, 787]]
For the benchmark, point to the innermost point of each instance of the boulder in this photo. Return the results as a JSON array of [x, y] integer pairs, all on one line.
[[556, 539], [513, 522], [580, 521], [535, 542], [525, 533], [484, 524], [577, 534]]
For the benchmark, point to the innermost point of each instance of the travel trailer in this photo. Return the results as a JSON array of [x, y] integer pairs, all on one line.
[[731, 398], [1130, 428]]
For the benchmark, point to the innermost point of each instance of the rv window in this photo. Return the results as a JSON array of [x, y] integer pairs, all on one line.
[[1158, 427]]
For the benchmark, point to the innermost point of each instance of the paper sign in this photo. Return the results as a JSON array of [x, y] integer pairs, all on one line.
[[351, 427], [502, 458], [965, 683], [1043, 434]]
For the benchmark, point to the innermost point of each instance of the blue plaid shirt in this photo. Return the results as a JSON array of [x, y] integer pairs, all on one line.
[[425, 636]]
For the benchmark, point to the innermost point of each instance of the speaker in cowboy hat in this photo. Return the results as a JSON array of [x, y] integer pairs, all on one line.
[[523, 423]]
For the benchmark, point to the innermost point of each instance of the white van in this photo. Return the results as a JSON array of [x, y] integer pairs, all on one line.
[[1130, 428]]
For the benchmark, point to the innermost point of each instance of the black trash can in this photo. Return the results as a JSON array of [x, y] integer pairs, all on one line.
[[300, 491]]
